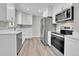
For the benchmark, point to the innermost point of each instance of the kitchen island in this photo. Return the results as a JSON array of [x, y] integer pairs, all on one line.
[[10, 43]]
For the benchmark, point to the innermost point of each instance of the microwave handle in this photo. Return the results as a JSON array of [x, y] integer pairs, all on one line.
[[65, 13]]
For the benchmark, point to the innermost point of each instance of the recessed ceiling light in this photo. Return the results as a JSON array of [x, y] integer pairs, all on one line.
[[39, 10], [28, 9]]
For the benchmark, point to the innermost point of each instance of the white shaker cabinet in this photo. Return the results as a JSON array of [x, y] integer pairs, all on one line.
[[26, 19], [71, 46], [23, 18], [26, 34]]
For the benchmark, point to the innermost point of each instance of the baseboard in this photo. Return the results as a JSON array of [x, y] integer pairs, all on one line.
[[45, 44], [35, 37], [28, 38]]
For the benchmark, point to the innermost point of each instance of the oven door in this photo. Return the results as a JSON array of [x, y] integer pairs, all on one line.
[[58, 43]]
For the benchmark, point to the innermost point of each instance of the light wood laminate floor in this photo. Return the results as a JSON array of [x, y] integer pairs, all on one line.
[[34, 47]]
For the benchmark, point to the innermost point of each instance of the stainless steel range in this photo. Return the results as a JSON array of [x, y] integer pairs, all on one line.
[[58, 40]]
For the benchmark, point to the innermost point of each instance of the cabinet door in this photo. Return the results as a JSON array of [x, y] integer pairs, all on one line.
[[18, 17], [23, 19], [26, 19], [2, 11], [71, 47]]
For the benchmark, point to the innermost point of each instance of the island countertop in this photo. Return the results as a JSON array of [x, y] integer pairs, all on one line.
[[10, 32]]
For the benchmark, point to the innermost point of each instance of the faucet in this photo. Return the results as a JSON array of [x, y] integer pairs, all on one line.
[[14, 28]]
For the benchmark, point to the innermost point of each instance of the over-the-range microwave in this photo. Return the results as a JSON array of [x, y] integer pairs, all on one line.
[[67, 14]]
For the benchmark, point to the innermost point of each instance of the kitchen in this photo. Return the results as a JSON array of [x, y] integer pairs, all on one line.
[[55, 25]]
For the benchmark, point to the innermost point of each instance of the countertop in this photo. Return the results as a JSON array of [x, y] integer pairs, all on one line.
[[10, 32], [73, 37]]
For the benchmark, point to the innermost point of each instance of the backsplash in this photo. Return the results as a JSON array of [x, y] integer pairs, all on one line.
[[66, 24], [3, 24]]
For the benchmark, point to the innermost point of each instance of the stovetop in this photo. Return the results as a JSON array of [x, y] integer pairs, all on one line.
[[63, 33], [57, 33]]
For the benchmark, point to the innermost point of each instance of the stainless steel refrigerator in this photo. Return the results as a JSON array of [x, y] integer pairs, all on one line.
[[46, 25]]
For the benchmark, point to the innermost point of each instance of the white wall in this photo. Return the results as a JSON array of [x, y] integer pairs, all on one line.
[[3, 14], [3, 11], [36, 26]]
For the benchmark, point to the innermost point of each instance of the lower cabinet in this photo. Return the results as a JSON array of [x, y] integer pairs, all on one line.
[[71, 46], [26, 34]]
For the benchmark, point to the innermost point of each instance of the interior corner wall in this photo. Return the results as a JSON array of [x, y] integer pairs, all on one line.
[[36, 26]]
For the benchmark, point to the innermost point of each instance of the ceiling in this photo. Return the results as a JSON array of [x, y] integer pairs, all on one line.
[[33, 8]]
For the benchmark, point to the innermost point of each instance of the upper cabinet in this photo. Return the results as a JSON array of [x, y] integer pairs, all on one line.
[[3, 11], [26, 19], [23, 18]]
